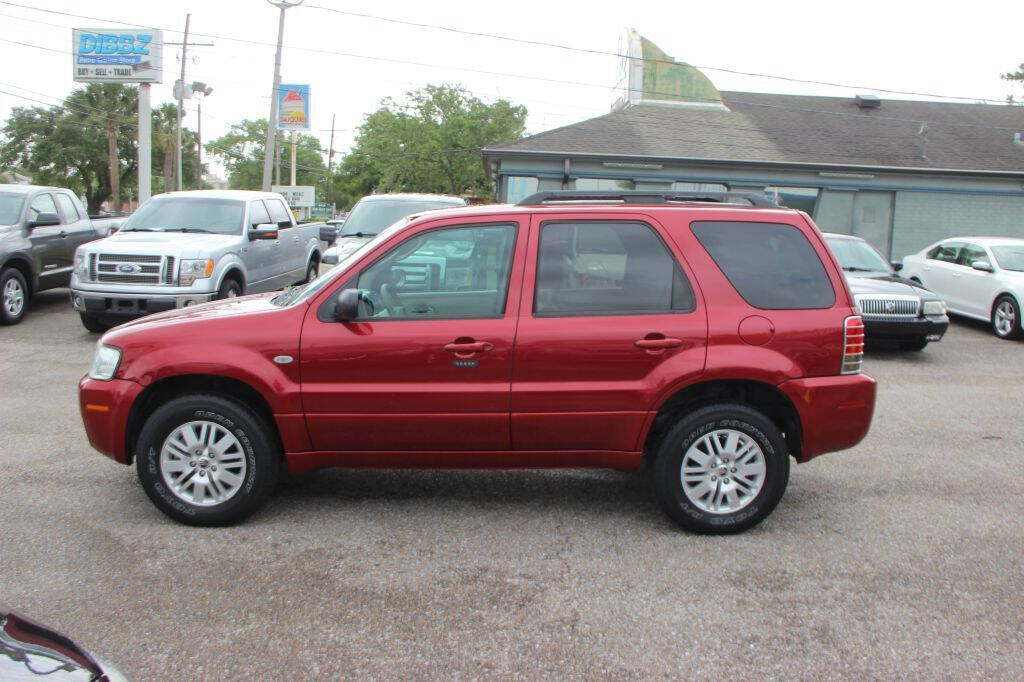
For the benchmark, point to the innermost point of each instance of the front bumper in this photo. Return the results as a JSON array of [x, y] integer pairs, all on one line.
[[835, 411], [914, 330], [125, 304], [105, 407]]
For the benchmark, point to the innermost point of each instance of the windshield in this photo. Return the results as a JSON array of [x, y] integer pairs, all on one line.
[[368, 217], [193, 214], [306, 291], [857, 256], [1008, 257], [10, 208]]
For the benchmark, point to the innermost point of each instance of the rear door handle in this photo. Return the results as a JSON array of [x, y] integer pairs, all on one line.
[[658, 343], [468, 347]]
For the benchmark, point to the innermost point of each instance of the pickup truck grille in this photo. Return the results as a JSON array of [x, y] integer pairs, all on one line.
[[110, 268], [888, 307]]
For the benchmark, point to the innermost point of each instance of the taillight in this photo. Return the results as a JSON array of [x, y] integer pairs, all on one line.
[[853, 344]]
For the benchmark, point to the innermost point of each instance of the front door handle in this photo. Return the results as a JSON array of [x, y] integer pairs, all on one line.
[[63, 233], [466, 348], [658, 342]]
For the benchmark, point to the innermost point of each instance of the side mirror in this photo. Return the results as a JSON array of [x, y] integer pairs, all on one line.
[[328, 234], [896, 265], [982, 265], [264, 231], [45, 220], [115, 225], [346, 307]]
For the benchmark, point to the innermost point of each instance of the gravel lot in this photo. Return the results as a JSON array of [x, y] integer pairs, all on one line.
[[902, 558]]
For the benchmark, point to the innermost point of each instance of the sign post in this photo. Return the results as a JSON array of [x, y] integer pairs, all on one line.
[[123, 55]]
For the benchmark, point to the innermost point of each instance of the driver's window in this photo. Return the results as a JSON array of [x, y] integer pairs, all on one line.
[[41, 204], [454, 272], [258, 214]]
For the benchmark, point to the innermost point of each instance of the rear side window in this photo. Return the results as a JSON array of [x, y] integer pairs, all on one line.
[[771, 265], [70, 212], [607, 268], [947, 252]]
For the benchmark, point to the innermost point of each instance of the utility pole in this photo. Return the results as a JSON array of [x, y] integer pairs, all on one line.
[[330, 160], [145, 144], [268, 149], [277, 160], [293, 158], [199, 141], [181, 98]]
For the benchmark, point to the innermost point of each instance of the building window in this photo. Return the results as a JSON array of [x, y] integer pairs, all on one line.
[[593, 184], [518, 187], [699, 187], [800, 198]]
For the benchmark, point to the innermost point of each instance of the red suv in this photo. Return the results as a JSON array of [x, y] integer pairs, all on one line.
[[712, 336]]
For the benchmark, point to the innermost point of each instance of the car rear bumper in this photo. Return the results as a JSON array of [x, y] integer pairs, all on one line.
[[123, 304], [835, 411], [920, 329], [105, 407]]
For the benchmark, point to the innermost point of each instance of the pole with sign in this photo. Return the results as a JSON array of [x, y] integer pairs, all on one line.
[[123, 55]]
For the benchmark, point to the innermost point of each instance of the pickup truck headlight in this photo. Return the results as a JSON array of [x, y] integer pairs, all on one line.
[[934, 308], [191, 270], [104, 362], [81, 270]]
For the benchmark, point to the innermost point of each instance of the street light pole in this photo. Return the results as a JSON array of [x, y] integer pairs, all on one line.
[[181, 97], [268, 149]]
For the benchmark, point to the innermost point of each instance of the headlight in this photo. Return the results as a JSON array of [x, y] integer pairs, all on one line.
[[934, 308], [191, 270], [104, 362], [81, 271]]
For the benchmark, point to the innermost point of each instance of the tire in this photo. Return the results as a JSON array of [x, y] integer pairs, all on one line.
[[229, 288], [312, 270], [249, 462], [761, 447], [93, 324], [1006, 317], [13, 296], [912, 345]]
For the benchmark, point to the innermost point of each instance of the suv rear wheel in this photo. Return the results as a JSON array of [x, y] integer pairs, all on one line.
[[13, 296], [207, 460], [721, 469]]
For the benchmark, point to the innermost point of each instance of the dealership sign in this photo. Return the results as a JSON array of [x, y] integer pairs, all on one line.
[[119, 55], [293, 106], [299, 196]]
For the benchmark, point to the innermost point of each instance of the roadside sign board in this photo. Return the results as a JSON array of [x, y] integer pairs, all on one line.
[[325, 211], [117, 55], [300, 196], [293, 106]]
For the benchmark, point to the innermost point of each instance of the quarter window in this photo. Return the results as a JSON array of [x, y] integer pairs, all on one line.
[[605, 268], [771, 265], [455, 272], [41, 204], [71, 213]]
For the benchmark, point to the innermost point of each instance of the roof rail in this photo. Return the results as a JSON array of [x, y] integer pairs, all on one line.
[[647, 197]]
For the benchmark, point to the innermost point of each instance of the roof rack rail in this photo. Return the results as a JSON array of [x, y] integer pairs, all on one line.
[[647, 197]]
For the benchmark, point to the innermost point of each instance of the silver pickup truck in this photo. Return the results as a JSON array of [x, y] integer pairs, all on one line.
[[184, 248]]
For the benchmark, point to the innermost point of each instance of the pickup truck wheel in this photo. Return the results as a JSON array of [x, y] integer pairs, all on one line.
[[312, 271], [229, 289], [721, 469], [93, 324], [13, 296], [1006, 318], [207, 460]]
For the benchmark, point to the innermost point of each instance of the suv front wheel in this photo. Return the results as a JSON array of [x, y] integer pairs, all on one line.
[[207, 460], [721, 469]]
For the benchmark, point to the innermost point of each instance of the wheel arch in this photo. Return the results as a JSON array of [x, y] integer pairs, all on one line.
[[764, 397], [235, 272], [1001, 294], [159, 392], [22, 264]]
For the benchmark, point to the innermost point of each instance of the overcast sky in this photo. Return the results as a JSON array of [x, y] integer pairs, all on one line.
[[915, 46]]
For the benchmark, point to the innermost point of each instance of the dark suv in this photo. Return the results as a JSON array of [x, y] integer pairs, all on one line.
[[712, 336], [40, 228]]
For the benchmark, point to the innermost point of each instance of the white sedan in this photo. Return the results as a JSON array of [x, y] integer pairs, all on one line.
[[979, 277]]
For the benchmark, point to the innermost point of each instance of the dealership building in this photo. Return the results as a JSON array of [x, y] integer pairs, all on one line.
[[899, 173]]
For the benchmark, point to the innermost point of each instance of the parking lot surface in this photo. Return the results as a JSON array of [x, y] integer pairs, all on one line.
[[901, 558]]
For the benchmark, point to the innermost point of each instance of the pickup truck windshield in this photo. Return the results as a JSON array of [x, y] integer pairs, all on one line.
[[370, 217], [192, 214], [10, 208], [857, 256]]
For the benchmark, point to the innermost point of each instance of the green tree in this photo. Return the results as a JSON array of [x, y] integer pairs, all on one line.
[[165, 140], [87, 144], [241, 151], [429, 143], [1017, 76]]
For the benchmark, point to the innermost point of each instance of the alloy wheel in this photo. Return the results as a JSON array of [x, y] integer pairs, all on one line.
[[14, 297], [1005, 318], [723, 471], [203, 463]]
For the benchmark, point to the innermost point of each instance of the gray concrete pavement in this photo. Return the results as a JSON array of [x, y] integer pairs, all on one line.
[[901, 558]]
